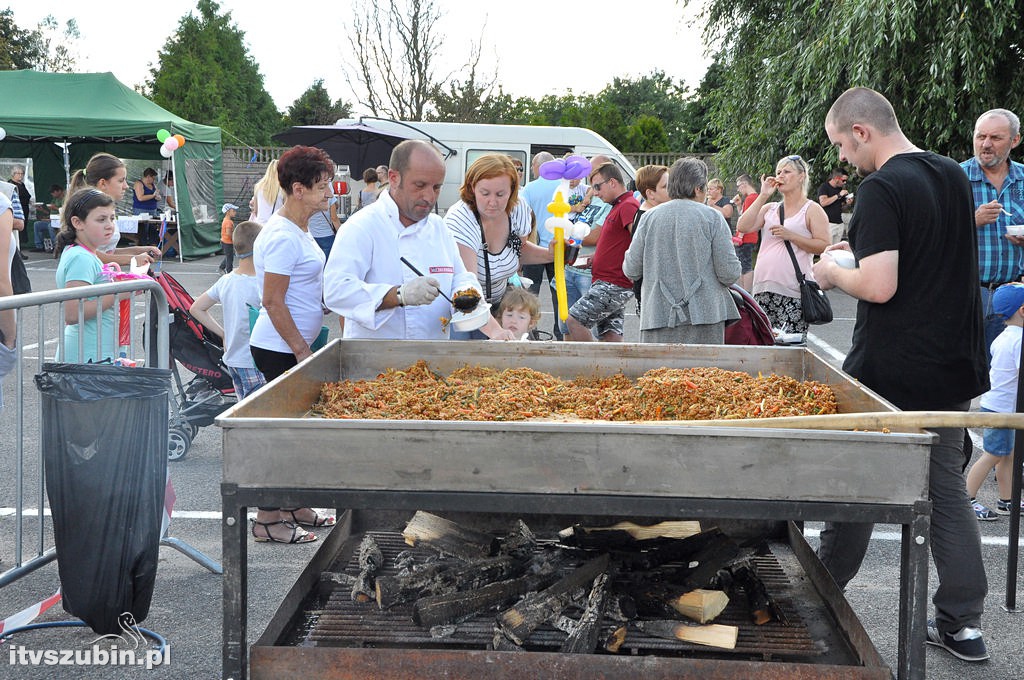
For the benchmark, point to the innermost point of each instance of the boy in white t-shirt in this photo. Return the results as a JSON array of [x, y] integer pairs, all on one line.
[[1004, 369], [236, 292]]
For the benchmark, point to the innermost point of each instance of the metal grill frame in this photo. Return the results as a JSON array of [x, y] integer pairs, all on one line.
[[250, 434]]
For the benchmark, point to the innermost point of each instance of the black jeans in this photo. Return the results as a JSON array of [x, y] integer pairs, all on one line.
[[228, 263]]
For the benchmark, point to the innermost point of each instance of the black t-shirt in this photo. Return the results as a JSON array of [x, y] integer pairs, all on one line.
[[924, 348], [834, 210], [721, 203]]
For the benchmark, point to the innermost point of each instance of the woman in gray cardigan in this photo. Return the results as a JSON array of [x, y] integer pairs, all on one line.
[[683, 251]]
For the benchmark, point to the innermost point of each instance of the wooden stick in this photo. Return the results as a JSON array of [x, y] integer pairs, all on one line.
[[700, 605], [584, 637], [712, 635], [891, 420], [518, 622], [449, 537], [668, 529], [370, 561], [448, 607], [447, 577]]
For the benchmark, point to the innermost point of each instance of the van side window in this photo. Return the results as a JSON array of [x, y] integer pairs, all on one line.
[[518, 159]]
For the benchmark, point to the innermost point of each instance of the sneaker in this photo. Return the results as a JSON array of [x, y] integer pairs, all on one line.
[[967, 643], [983, 513], [1004, 507]]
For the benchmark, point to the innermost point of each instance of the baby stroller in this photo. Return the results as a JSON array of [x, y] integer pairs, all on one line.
[[753, 327], [211, 391]]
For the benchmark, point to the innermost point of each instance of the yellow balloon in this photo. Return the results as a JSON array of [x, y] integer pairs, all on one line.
[[563, 305], [558, 207]]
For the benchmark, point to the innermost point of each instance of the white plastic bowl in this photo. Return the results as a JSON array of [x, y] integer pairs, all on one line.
[[843, 258], [1015, 230], [473, 320]]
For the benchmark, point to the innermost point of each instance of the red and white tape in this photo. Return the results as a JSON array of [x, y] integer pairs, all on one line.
[[27, 615]]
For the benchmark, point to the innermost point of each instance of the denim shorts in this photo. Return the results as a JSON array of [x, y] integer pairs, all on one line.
[[603, 306], [745, 253], [997, 442]]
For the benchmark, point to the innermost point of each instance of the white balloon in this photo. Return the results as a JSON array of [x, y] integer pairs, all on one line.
[[3, 133], [165, 152], [580, 231], [552, 222], [171, 143]]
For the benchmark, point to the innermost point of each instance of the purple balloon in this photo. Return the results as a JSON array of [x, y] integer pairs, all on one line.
[[576, 167], [553, 169]]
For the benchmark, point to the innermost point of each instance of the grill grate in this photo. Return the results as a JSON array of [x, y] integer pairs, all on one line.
[[339, 622]]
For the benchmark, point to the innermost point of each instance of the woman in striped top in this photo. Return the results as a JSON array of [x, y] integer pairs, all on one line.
[[491, 225]]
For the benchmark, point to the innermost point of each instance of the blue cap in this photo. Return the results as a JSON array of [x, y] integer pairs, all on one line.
[[1006, 300]]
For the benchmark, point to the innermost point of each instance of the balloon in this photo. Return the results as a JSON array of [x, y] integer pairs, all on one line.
[[3, 133], [172, 143], [580, 231], [559, 208], [553, 169], [576, 167], [181, 140], [165, 152], [162, 135]]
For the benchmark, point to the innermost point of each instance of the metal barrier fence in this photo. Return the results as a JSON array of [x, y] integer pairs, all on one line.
[[48, 310]]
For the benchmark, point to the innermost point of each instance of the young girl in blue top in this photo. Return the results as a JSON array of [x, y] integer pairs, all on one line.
[[88, 222]]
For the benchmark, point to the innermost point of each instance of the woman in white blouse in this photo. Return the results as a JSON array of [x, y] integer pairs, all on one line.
[[491, 224], [289, 273]]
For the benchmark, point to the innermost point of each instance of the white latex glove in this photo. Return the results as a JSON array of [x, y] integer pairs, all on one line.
[[419, 291]]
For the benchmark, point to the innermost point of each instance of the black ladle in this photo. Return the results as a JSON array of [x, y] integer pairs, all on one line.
[[466, 303]]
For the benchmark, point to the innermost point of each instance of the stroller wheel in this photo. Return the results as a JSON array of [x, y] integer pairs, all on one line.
[[193, 429], [179, 441]]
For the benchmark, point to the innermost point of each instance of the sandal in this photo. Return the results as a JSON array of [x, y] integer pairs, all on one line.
[[318, 522], [299, 535]]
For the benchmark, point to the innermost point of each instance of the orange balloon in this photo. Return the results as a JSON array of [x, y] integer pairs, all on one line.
[[181, 140]]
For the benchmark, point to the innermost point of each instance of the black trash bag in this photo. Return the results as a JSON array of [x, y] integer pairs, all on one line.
[[104, 434]]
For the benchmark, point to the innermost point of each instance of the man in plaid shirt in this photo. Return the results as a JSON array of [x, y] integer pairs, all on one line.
[[998, 187]]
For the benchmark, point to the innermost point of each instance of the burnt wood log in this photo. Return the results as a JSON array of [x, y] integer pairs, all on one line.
[[583, 639], [760, 604], [445, 608], [518, 622], [519, 540], [712, 635], [370, 561], [444, 577], [685, 550], [626, 534], [449, 537], [615, 639]]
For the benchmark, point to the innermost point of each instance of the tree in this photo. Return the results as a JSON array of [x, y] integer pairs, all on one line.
[[314, 107], [205, 74], [647, 133], [57, 45], [940, 63], [395, 44], [656, 96], [45, 48]]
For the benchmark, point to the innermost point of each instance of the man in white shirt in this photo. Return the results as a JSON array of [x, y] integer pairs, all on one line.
[[365, 280]]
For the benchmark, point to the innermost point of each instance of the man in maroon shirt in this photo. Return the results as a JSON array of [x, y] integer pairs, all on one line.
[[604, 303]]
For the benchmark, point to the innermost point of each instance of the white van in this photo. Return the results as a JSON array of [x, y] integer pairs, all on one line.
[[463, 143]]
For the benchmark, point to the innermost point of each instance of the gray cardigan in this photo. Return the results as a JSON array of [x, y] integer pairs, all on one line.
[[683, 251]]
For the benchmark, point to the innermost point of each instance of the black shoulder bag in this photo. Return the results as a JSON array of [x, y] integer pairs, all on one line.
[[513, 240], [813, 301]]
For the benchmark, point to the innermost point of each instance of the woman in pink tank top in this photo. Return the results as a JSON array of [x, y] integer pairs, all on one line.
[[806, 229]]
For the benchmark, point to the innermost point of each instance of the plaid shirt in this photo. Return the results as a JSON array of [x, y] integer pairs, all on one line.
[[999, 260]]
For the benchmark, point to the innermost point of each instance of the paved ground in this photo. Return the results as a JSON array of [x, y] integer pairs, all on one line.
[[186, 606]]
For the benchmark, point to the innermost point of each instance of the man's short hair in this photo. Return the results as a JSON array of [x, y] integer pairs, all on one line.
[[1010, 117], [607, 171], [865, 106], [400, 157], [745, 178], [542, 158], [244, 236], [837, 172]]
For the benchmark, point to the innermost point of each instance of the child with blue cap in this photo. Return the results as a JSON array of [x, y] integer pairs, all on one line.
[[1008, 302]]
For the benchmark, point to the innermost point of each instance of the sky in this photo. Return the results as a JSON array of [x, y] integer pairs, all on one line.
[[540, 47]]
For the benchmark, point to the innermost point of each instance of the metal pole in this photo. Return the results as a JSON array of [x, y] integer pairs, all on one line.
[[1014, 533]]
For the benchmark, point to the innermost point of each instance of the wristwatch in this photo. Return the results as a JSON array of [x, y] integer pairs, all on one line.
[[398, 294]]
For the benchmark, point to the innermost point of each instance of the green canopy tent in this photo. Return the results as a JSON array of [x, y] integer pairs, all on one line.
[[92, 112]]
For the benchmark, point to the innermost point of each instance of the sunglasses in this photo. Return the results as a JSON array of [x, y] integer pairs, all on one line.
[[596, 186]]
